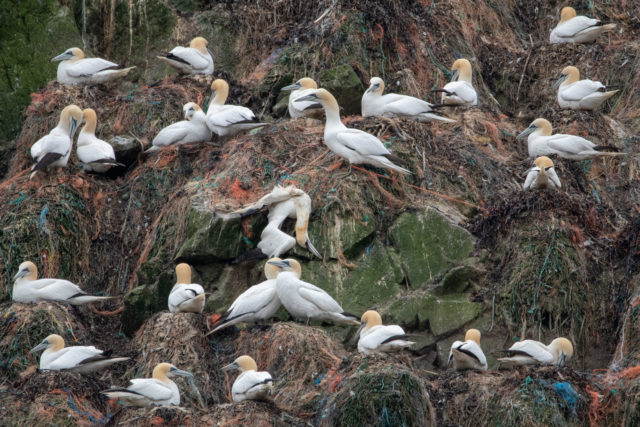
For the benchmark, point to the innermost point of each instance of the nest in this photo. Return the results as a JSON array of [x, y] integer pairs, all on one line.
[[177, 338]]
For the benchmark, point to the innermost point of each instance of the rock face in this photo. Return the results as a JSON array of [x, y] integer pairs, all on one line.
[[429, 246], [345, 85]]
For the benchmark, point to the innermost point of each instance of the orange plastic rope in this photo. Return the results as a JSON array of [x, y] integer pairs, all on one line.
[[435, 193]]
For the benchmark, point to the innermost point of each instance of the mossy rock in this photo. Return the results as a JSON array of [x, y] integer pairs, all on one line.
[[429, 245], [342, 233], [443, 315], [345, 85], [126, 149], [142, 301], [457, 280], [213, 237]]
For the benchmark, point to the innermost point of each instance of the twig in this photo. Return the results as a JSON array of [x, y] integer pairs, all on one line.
[[525, 67]]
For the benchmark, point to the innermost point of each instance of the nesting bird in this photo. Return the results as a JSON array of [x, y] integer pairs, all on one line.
[[460, 90], [251, 384], [577, 29], [54, 149], [530, 352], [283, 203], [353, 145], [29, 289], [95, 154], [305, 301], [228, 120], [195, 59], [192, 129], [299, 89], [468, 354], [81, 359], [156, 391], [542, 175], [256, 304], [378, 338], [579, 94], [75, 69], [186, 297], [374, 103], [542, 143]]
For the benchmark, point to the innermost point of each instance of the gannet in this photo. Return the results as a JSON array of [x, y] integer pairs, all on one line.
[[374, 103], [54, 149], [542, 175], [258, 303], [283, 203], [577, 29], [76, 69], [352, 144], [542, 143], [251, 384], [192, 129], [186, 297], [82, 359], [95, 154], [378, 338], [156, 391], [28, 288], [306, 301], [228, 120], [468, 354], [530, 352], [580, 94], [195, 59], [301, 88], [460, 91]]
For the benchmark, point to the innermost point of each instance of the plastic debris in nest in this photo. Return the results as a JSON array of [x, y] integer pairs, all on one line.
[[57, 398], [22, 326], [297, 356]]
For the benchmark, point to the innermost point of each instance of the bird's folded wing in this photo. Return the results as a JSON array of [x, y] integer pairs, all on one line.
[[569, 143], [191, 56], [171, 134], [318, 297], [553, 176], [89, 66], [230, 116], [362, 142], [574, 26], [580, 90], [150, 388], [531, 177]]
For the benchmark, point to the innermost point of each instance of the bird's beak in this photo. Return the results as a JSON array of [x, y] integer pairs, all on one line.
[[294, 86], [373, 87], [233, 365], [313, 249], [62, 57], [563, 359], [212, 56], [180, 372], [43, 345], [526, 132], [280, 264], [74, 126], [562, 78], [21, 273], [362, 325], [454, 75]]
